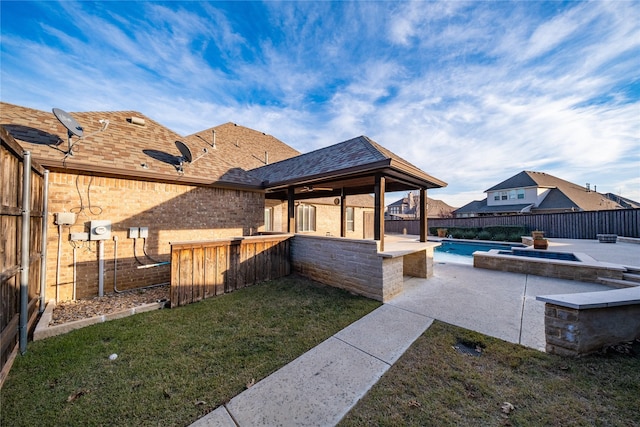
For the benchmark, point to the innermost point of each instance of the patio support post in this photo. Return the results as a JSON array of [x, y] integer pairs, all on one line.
[[378, 216], [343, 214], [291, 211], [423, 215]]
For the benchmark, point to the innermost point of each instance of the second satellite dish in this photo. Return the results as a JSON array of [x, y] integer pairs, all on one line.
[[185, 151], [73, 127]]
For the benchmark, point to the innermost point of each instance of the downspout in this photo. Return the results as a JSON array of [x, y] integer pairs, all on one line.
[[75, 272], [43, 251], [58, 263], [24, 263], [100, 268]]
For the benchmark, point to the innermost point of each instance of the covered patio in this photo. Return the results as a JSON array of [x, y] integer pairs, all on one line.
[[357, 166], [353, 167]]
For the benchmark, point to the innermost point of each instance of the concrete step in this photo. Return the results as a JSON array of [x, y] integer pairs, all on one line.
[[617, 283]]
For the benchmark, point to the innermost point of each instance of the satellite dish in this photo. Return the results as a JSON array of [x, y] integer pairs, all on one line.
[[73, 128], [185, 151]]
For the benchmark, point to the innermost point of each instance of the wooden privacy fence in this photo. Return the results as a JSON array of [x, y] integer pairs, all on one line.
[[568, 225], [202, 270], [21, 260]]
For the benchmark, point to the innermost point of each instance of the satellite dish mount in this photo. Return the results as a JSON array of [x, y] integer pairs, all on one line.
[[187, 157], [72, 126]]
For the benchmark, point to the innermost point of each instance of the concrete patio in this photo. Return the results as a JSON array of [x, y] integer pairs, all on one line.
[[322, 385]]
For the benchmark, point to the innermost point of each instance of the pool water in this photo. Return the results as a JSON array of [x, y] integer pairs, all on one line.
[[462, 252], [563, 256]]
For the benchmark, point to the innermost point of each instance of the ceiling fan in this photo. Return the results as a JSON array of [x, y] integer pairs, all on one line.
[[309, 189]]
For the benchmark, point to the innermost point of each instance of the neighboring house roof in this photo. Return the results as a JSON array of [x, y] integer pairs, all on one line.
[[472, 207], [623, 201], [562, 195], [480, 207], [124, 149], [435, 208], [359, 155]]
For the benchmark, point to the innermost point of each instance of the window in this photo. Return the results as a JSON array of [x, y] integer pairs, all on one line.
[[512, 195], [268, 219], [503, 195], [521, 194], [350, 222], [496, 196], [306, 218]]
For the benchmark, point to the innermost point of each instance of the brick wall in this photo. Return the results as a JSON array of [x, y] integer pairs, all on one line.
[[172, 212], [354, 265]]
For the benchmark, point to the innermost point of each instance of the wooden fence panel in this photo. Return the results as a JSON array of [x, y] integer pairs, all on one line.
[[11, 182], [201, 270], [567, 225]]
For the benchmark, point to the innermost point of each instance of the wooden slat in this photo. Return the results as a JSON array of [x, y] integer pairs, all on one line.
[[222, 266], [198, 274], [209, 272]]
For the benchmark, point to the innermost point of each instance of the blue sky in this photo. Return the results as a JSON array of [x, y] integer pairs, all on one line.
[[470, 92]]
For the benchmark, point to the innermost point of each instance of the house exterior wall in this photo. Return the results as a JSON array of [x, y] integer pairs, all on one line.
[[327, 220], [172, 213], [532, 195]]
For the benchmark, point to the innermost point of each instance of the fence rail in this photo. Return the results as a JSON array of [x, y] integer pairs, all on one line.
[[12, 259], [569, 225], [201, 270]]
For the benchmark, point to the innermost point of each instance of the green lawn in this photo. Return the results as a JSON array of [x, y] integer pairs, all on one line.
[[173, 366], [435, 385]]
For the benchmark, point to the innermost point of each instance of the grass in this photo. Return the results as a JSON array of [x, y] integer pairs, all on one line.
[[173, 366], [435, 385]]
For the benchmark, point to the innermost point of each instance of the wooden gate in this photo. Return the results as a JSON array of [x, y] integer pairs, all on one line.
[[202, 270], [12, 175]]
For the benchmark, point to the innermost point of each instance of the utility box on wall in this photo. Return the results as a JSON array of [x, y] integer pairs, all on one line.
[[100, 230]]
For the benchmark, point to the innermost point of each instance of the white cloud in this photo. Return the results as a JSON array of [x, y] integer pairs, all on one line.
[[472, 93]]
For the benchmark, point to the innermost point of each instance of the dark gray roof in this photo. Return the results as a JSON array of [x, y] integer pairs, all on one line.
[[355, 155], [480, 207], [521, 180], [623, 201]]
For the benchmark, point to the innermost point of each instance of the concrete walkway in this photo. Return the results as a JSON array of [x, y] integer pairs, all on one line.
[[322, 385]]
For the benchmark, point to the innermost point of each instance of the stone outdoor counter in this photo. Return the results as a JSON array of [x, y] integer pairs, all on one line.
[[358, 266]]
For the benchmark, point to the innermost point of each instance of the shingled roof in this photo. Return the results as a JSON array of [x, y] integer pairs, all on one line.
[[243, 147], [349, 163], [562, 195], [143, 151]]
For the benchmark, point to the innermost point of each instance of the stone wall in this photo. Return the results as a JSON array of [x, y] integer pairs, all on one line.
[[581, 271], [574, 332], [172, 212], [354, 265]]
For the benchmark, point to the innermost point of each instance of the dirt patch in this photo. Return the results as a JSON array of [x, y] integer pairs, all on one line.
[[82, 309]]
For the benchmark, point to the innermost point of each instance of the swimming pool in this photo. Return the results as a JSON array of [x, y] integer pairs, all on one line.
[[462, 251], [562, 256]]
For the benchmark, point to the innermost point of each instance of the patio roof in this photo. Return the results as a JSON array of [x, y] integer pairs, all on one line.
[[348, 168]]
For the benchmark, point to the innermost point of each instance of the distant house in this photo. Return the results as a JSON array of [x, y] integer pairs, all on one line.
[[536, 192], [408, 207]]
